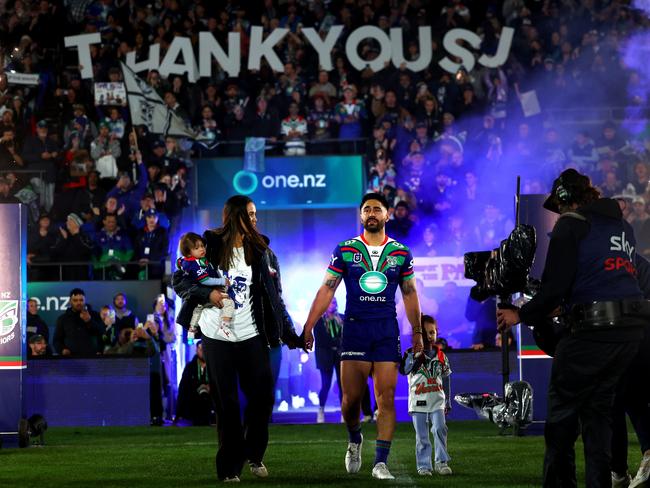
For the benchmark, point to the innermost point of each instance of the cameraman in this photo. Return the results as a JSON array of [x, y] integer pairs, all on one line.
[[590, 270]]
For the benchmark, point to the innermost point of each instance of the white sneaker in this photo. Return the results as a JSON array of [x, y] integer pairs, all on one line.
[[643, 474], [443, 469], [231, 479], [425, 472], [353, 457], [619, 481], [259, 470], [380, 471], [313, 398], [320, 416]]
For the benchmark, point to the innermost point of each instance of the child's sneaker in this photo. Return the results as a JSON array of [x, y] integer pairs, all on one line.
[[443, 469], [425, 472]]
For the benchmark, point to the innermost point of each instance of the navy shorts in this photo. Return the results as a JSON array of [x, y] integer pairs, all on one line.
[[374, 340]]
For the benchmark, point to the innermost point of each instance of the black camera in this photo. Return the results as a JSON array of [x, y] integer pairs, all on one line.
[[504, 270]]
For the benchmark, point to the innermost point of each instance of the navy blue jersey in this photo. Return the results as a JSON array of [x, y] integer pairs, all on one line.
[[201, 271], [371, 275]]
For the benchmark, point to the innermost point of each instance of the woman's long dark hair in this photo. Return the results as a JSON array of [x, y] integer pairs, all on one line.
[[236, 221]]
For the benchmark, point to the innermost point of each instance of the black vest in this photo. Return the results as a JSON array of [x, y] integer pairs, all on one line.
[[606, 257]]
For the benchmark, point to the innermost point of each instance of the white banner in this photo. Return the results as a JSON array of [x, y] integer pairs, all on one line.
[[22, 78], [435, 272], [461, 44]]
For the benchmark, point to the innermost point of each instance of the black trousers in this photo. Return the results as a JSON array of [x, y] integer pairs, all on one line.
[[247, 364], [583, 384], [633, 397]]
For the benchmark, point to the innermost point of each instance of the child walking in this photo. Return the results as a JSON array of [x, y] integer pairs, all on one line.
[[428, 376]]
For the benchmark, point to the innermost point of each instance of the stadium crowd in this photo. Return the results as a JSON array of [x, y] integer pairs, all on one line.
[[441, 146]]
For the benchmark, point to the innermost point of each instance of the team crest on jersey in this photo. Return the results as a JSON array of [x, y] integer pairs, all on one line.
[[357, 257], [392, 261]]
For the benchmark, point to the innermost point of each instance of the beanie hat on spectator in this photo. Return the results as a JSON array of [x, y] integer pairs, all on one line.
[[157, 143], [76, 219], [103, 124], [36, 338], [42, 124], [150, 212]]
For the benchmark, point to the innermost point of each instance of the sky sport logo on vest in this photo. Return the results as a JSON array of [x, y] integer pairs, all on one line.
[[373, 282], [620, 243], [8, 320]]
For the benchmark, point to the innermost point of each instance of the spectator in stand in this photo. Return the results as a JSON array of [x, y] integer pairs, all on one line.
[[641, 178], [42, 151], [483, 314], [151, 247], [349, 113], [582, 153], [639, 215], [147, 202], [128, 194], [237, 127], [264, 122], [610, 144], [294, 130], [37, 347], [110, 335], [10, 157], [323, 88], [166, 326], [171, 101], [427, 247], [79, 330], [442, 195], [450, 315], [174, 157], [124, 318], [82, 125], [105, 151], [320, 120], [113, 249], [35, 324], [497, 93], [116, 124], [611, 185], [208, 127], [492, 227], [381, 174], [6, 195], [194, 400], [72, 245], [400, 226], [40, 242]]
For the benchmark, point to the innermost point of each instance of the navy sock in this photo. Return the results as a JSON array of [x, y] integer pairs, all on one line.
[[355, 434], [382, 450]]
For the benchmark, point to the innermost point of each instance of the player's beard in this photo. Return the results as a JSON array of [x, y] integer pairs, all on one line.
[[373, 225]]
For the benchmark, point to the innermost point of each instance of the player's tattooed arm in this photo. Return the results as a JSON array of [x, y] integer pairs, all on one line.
[[407, 287], [331, 281]]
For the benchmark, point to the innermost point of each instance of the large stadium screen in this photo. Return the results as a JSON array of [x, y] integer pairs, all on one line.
[[286, 183]]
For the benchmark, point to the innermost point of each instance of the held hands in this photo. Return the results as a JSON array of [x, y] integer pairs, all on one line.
[[418, 345], [309, 337]]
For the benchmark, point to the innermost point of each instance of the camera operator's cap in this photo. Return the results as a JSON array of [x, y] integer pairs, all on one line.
[[562, 187], [76, 219], [42, 124]]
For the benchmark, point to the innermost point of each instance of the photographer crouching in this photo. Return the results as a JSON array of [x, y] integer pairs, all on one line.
[[589, 274]]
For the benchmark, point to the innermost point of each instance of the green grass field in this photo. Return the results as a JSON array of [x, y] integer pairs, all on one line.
[[298, 455]]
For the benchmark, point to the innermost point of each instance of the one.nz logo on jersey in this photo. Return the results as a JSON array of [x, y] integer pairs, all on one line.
[[373, 282]]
